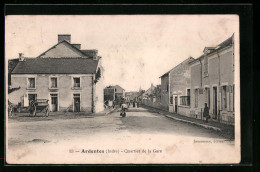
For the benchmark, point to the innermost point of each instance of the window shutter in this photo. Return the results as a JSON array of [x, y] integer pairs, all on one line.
[[228, 99], [25, 100]]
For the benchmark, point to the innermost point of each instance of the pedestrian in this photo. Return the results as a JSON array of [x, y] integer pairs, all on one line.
[[133, 104], [206, 112], [77, 106], [137, 105]]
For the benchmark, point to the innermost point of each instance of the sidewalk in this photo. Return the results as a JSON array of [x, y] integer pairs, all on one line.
[[227, 130], [106, 111]]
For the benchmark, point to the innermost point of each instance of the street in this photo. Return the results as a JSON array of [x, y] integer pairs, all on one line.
[[140, 129]]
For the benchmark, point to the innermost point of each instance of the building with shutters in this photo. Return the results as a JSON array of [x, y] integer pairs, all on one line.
[[212, 82], [175, 85], [71, 78]]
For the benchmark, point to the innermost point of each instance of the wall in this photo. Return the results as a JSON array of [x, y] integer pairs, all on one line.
[[64, 91], [179, 83], [220, 72], [164, 92], [99, 94], [61, 50]]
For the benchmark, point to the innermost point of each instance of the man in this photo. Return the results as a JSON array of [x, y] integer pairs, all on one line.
[[206, 112]]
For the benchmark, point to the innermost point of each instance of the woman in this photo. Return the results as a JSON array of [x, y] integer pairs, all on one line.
[[206, 112]]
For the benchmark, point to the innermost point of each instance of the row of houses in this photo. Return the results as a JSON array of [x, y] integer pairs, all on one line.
[[70, 77], [207, 79]]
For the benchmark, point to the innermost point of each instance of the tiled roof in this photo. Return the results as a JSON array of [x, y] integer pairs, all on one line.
[[56, 66], [89, 53]]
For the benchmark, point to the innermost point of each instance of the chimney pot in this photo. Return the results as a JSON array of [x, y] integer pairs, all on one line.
[[21, 57], [62, 37]]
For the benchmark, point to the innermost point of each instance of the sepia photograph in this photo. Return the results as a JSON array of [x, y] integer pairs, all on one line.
[[122, 89]]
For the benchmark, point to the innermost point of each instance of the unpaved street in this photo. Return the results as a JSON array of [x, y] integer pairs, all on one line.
[[140, 129]]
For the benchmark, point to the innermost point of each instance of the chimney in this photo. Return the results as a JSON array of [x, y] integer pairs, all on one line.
[[64, 37], [78, 46], [21, 57]]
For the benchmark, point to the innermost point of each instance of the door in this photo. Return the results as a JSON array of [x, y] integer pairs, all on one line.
[[215, 102], [76, 99], [176, 104], [31, 97], [54, 102]]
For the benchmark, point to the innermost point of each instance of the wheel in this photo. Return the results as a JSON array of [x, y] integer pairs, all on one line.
[[34, 111], [47, 112]]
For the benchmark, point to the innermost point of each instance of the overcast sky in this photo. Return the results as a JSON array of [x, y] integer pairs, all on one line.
[[136, 49]]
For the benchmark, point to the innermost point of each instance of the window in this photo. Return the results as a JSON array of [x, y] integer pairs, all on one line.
[[167, 88], [196, 93], [31, 82], [224, 98], [171, 100], [185, 100], [206, 66], [54, 82], [76, 82], [207, 96]]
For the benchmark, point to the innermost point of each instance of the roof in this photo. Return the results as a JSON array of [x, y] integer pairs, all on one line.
[[90, 53], [219, 47], [187, 60], [56, 66], [69, 45]]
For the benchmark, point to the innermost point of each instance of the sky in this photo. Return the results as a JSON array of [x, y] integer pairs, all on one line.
[[136, 49]]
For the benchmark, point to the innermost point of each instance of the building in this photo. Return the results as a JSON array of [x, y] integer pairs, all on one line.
[[212, 82], [71, 78], [176, 88], [109, 94]]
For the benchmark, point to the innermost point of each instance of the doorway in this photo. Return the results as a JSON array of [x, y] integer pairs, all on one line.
[[76, 102], [176, 104], [32, 97], [215, 102], [54, 102]]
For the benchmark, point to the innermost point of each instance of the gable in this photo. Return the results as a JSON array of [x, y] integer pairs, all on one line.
[[62, 49]]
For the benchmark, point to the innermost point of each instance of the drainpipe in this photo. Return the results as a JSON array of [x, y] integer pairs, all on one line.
[[200, 85], [218, 116], [93, 94]]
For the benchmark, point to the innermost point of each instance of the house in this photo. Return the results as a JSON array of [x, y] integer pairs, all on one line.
[[212, 82], [109, 94], [131, 96], [152, 97], [71, 78], [176, 88]]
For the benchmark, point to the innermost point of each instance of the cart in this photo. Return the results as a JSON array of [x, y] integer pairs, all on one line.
[[38, 106]]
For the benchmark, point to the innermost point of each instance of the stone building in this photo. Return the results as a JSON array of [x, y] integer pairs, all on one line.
[[212, 82], [176, 88], [65, 74]]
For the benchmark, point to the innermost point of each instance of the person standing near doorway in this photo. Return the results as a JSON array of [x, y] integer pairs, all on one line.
[[77, 106], [206, 112]]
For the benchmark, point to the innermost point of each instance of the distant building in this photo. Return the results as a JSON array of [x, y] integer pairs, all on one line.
[[109, 94]]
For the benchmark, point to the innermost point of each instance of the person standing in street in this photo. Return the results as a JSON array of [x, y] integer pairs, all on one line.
[[206, 112]]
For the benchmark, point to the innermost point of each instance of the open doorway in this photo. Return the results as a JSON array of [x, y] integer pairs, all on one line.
[[215, 102], [76, 102], [176, 104], [54, 102]]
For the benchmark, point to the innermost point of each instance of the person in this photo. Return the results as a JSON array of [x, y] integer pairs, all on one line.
[[137, 104], [123, 109], [206, 112], [77, 108], [134, 104]]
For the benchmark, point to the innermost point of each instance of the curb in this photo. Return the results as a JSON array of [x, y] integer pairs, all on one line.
[[198, 124], [111, 111]]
